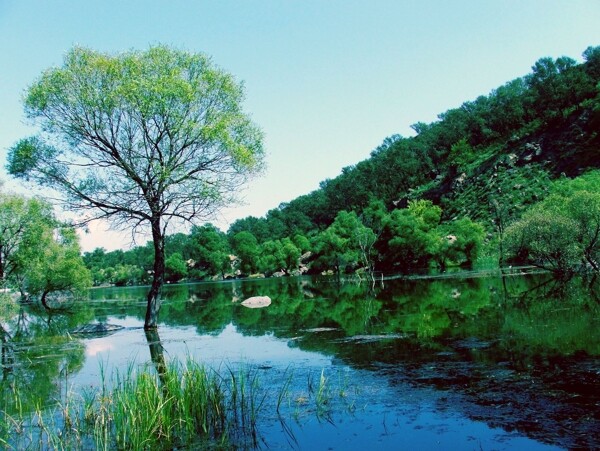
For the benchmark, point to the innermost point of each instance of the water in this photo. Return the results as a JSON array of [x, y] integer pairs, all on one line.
[[482, 363]]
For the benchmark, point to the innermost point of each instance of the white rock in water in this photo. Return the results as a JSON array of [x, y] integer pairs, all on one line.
[[257, 302]]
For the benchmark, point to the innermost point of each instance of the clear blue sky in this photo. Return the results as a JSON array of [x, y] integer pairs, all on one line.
[[326, 80]]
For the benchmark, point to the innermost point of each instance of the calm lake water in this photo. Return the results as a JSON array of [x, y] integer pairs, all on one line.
[[480, 363]]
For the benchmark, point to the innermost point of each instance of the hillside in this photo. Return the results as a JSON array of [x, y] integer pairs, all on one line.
[[501, 149], [441, 197]]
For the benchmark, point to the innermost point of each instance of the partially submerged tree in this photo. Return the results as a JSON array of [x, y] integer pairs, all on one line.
[[147, 138], [57, 267]]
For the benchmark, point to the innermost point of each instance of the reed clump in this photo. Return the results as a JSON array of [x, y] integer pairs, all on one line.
[[184, 405], [179, 405]]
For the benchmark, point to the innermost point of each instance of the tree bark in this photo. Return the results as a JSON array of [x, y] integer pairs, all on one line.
[[158, 279], [157, 355]]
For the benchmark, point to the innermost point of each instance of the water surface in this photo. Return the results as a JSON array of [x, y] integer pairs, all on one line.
[[480, 363]]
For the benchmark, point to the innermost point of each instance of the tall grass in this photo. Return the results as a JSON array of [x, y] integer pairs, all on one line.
[[186, 405]]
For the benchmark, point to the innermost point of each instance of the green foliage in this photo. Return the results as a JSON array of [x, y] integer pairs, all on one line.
[[37, 254], [245, 246], [279, 255], [209, 250], [409, 238], [461, 242], [345, 244], [562, 233], [428, 200], [543, 238], [489, 159], [23, 223], [58, 266], [175, 268]]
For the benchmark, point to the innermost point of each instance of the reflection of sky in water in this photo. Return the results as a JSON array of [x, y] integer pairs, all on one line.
[[228, 347], [383, 416]]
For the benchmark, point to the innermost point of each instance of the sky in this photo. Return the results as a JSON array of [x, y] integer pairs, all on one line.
[[326, 80]]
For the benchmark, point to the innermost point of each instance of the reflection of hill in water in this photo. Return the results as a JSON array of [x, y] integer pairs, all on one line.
[[519, 353]]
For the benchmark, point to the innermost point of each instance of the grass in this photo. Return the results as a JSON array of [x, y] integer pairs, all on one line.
[[186, 406]]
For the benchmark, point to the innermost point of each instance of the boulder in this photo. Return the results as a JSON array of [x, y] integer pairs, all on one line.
[[257, 302]]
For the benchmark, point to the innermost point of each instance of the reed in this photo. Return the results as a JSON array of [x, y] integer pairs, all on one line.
[[186, 405], [174, 406]]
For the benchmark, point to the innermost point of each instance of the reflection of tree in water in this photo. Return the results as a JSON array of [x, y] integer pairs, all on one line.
[[527, 360], [38, 353], [498, 349]]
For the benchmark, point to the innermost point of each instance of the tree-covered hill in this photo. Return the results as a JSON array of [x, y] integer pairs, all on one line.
[[502, 149], [435, 198]]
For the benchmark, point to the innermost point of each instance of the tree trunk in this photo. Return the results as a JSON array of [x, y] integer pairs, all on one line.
[[158, 279], [44, 301], [157, 355]]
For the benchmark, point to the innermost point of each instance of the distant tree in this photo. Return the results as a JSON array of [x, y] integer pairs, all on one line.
[[584, 209], [210, 249], [38, 255], [346, 244], [23, 223], [507, 112], [176, 268], [550, 88], [333, 251], [178, 243], [246, 248], [301, 242], [94, 261], [545, 240], [562, 233], [141, 138], [410, 238], [278, 255], [461, 241], [58, 267], [123, 274], [461, 154]]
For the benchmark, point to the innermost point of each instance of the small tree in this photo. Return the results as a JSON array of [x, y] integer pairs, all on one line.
[[57, 266], [38, 255], [23, 222], [410, 237], [141, 138], [561, 233], [545, 239]]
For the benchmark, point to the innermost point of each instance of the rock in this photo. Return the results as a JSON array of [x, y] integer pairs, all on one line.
[[451, 239], [96, 330], [459, 180], [257, 302]]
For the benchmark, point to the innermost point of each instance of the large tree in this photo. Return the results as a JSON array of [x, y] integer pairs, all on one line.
[[144, 138]]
